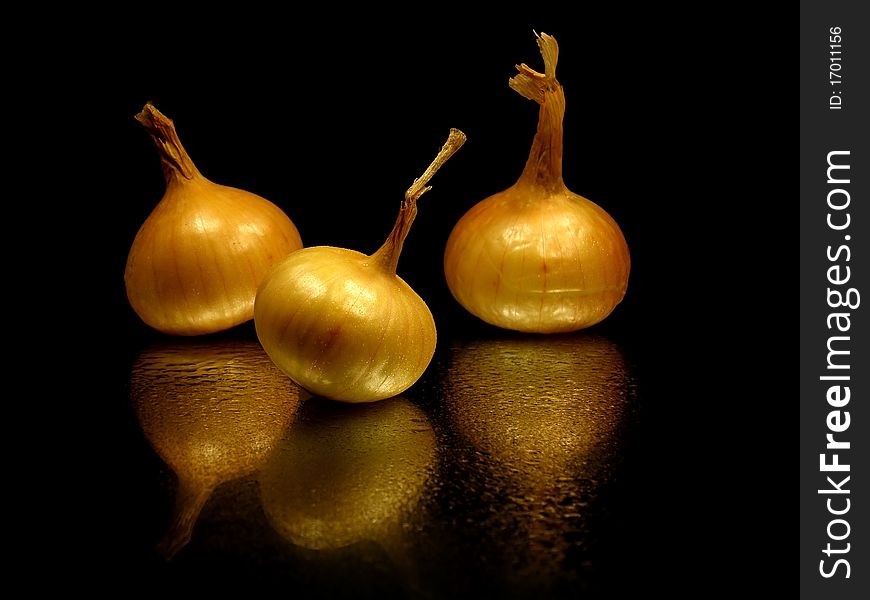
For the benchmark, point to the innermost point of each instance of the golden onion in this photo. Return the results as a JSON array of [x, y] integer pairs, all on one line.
[[537, 257], [196, 262], [343, 324]]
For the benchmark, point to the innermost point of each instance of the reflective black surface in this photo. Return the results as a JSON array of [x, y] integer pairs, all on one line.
[[500, 472]]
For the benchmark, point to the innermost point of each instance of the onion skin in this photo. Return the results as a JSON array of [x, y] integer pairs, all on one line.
[[556, 265], [537, 257], [197, 261], [341, 327], [344, 325]]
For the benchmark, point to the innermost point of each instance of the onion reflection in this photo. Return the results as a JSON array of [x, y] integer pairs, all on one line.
[[345, 474], [544, 412], [213, 412]]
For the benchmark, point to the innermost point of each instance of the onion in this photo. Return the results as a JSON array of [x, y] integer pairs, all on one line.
[[198, 259], [537, 257], [344, 325]]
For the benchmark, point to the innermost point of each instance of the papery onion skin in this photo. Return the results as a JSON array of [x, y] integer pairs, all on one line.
[[198, 259], [340, 328], [343, 324], [556, 265], [537, 257]]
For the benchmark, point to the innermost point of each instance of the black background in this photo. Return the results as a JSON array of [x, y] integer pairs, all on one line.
[[332, 118]]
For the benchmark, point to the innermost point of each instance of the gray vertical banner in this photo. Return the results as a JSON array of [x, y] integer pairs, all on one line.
[[834, 299]]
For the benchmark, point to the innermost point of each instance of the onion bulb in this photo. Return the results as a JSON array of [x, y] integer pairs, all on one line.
[[343, 324], [198, 259], [537, 257]]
